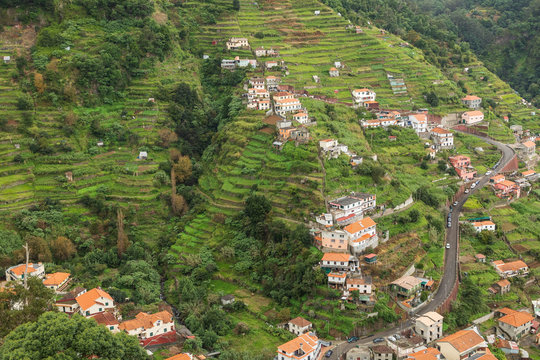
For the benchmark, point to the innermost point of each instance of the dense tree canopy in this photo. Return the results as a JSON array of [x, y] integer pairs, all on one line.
[[57, 336]]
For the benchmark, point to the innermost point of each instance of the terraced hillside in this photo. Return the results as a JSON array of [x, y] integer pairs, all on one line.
[[310, 44]]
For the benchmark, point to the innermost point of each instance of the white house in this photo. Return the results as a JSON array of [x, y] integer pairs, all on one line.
[[143, 155], [337, 278], [263, 105], [56, 281], [360, 96], [94, 301], [515, 324], [472, 117], [333, 72], [287, 105], [360, 228], [429, 326], [108, 320], [17, 272], [301, 117], [510, 269], [67, 303], [270, 64], [471, 101], [237, 43], [442, 138], [326, 220], [484, 225], [462, 344], [327, 144], [340, 262], [299, 326], [146, 326], [257, 83], [304, 347], [272, 82], [361, 284], [418, 122]]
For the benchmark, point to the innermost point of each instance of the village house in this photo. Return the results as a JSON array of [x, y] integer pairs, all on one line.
[[94, 301], [362, 235], [370, 258], [336, 241], [419, 122], [108, 320], [360, 96], [346, 207], [283, 124], [501, 287], [333, 72], [255, 93], [256, 83], [462, 344], [272, 82], [187, 356], [356, 160], [237, 43], [16, 272], [507, 347], [300, 135], [528, 173], [336, 279], [286, 105], [361, 284], [228, 64], [6, 59], [471, 101], [263, 104], [481, 258], [271, 64], [382, 352], [510, 269], [462, 165], [359, 353], [371, 105], [337, 64], [283, 95], [515, 325], [260, 51], [496, 179], [299, 326], [304, 347], [371, 124], [358, 29], [147, 327], [340, 262], [472, 117], [429, 326], [528, 149], [67, 303], [406, 345], [285, 133], [507, 188], [327, 220], [425, 354], [227, 299], [442, 138], [242, 63], [484, 226], [57, 281], [406, 286], [301, 117], [332, 149]]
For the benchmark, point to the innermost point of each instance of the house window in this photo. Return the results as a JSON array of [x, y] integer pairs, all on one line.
[[151, 334], [87, 313], [111, 328], [106, 304], [100, 309]]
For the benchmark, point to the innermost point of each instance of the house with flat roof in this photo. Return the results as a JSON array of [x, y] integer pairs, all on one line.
[[16, 272]]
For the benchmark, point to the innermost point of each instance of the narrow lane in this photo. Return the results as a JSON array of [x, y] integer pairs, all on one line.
[[451, 258]]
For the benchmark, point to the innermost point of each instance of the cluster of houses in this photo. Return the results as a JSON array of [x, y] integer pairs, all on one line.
[[97, 304], [408, 290], [503, 188], [231, 64]]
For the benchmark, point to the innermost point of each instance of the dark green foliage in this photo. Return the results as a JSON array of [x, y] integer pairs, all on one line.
[[470, 305], [425, 195], [141, 280], [9, 241], [236, 5], [74, 338], [118, 9]]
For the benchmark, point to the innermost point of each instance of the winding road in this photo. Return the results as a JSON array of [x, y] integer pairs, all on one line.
[[451, 258]]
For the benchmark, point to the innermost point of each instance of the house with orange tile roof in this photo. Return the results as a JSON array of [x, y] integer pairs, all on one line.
[[497, 179], [304, 347], [511, 269], [337, 279], [528, 173], [501, 287], [299, 326], [442, 138], [57, 281], [186, 356], [333, 72], [462, 165], [301, 117], [16, 272], [426, 354], [339, 262], [94, 301], [147, 326], [361, 284], [419, 122], [527, 149], [507, 188], [360, 96], [515, 325], [286, 105], [108, 320], [486, 225], [471, 101], [480, 258], [429, 326], [462, 344], [472, 117], [362, 235], [370, 124]]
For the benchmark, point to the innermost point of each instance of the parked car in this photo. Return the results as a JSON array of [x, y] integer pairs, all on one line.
[[391, 338], [455, 203], [352, 339], [328, 353], [397, 336], [488, 172], [466, 191], [448, 245], [449, 224], [473, 185], [378, 340]]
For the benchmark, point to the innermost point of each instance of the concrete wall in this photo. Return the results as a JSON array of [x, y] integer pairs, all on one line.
[[483, 318]]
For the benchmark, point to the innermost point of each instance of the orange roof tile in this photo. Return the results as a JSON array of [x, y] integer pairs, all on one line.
[[529, 144], [503, 283], [361, 90], [473, 113], [480, 256], [426, 354], [333, 69], [300, 114], [363, 238], [307, 341], [105, 318], [300, 322], [359, 225], [507, 183], [471, 97], [183, 356], [338, 275], [497, 177], [89, 298], [356, 281], [463, 340], [286, 101], [146, 321], [483, 223], [56, 278], [19, 270], [511, 266], [517, 318], [336, 257], [528, 172], [439, 130]]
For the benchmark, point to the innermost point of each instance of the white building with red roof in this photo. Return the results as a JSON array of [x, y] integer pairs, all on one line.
[[94, 301], [462, 344], [419, 122], [472, 117], [362, 235], [486, 225], [149, 326], [57, 281], [515, 325], [299, 326], [17, 272], [442, 138], [340, 261], [360, 96], [471, 101], [510, 269], [304, 347]]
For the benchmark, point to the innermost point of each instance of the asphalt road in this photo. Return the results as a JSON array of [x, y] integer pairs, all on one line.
[[450, 259]]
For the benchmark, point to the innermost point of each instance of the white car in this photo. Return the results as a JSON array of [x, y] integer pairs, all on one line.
[[473, 185], [448, 245], [466, 191], [488, 172]]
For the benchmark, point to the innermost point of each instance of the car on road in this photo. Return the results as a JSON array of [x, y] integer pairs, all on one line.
[[448, 245], [352, 339], [397, 336], [392, 339], [466, 191], [488, 172], [455, 203], [328, 353], [378, 340], [473, 185], [449, 224]]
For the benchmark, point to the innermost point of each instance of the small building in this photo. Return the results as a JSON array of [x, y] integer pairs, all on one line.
[[425, 354], [463, 344], [356, 160], [472, 117], [337, 64], [237, 43], [333, 72], [299, 326], [471, 101], [528, 149], [370, 258], [429, 326], [419, 122], [528, 173], [339, 261], [360, 96], [497, 179], [515, 325], [507, 347], [108, 320], [305, 346], [442, 138], [371, 105], [150, 329], [487, 225], [317, 12], [143, 155], [382, 352], [511, 269], [501, 287], [358, 29], [67, 303], [94, 301], [271, 64], [286, 105], [301, 117], [7, 59], [227, 299], [316, 78], [358, 353], [507, 188], [481, 258], [16, 272], [57, 281], [361, 284], [228, 64], [406, 285], [336, 279], [326, 220]]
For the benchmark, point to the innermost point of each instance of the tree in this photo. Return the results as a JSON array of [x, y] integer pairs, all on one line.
[[39, 83], [178, 204], [182, 168], [57, 336], [122, 241], [414, 215], [256, 208], [63, 248], [167, 137], [236, 5], [19, 305]]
